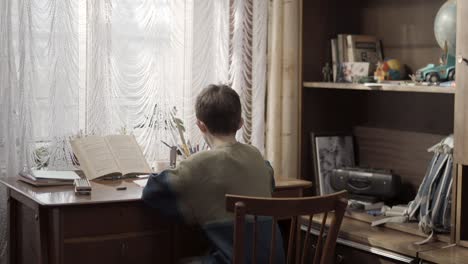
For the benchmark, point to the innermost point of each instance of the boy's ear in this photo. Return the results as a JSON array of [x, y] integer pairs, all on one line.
[[202, 126], [241, 123]]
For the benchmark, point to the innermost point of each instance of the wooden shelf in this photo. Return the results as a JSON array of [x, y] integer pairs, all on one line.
[[409, 228], [386, 87]]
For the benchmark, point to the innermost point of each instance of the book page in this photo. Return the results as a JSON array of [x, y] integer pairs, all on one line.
[[95, 157], [128, 155]]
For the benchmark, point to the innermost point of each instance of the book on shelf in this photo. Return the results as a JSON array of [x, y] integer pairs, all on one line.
[[334, 53], [341, 49], [364, 48], [48, 177], [110, 156]]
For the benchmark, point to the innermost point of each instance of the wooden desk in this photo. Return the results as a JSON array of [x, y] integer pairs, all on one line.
[[53, 225], [287, 187], [50, 225]]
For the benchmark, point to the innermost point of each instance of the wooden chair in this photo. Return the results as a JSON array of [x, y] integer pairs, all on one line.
[[294, 208]]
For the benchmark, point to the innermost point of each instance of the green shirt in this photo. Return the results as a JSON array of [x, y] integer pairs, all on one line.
[[202, 181]]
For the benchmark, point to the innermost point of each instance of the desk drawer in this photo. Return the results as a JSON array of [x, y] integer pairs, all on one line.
[[347, 252], [106, 219], [127, 248]]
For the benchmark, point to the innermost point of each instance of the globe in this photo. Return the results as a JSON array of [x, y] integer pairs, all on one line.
[[445, 26]]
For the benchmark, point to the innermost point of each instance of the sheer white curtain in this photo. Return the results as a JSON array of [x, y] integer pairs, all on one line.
[[70, 67]]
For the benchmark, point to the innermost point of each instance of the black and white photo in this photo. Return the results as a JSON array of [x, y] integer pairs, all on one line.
[[330, 152]]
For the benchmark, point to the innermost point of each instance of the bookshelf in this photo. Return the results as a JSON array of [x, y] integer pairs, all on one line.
[[393, 125], [376, 87]]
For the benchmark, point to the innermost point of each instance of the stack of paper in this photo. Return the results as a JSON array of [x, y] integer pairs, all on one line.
[[48, 177], [365, 205]]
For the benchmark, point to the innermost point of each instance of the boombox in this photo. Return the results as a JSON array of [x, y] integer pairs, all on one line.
[[371, 182]]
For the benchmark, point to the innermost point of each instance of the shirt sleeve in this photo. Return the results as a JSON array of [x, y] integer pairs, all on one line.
[[159, 194], [164, 192]]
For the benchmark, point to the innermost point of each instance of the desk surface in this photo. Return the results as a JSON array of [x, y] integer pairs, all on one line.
[[104, 191], [397, 241], [450, 254], [380, 237], [289, 183]]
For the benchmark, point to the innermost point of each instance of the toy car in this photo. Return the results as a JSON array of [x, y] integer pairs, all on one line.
[[437, 73]]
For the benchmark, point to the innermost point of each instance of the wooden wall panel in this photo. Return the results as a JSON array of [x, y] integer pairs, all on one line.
[[406, 28], [327, 111], [418, 112], [319, 25], [403, 152]]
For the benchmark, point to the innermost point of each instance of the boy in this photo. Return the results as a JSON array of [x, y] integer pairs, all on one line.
[[195, 190]]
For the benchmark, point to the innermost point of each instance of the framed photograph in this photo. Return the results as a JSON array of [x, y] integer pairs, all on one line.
[[352, 71], [330, 152]]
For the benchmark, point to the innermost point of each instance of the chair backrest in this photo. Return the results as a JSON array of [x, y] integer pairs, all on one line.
[[300, 211]]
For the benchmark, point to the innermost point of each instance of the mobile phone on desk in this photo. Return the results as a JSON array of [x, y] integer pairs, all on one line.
[[82, 186]]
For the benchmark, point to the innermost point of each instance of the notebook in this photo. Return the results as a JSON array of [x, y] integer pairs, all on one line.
[[48, 177]]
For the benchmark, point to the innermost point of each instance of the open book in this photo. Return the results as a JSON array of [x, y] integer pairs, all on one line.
[[110, 156]]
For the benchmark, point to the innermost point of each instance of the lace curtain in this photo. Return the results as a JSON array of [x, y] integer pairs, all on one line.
[[76, 67]]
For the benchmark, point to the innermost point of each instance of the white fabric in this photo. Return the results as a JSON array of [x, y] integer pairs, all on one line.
[[72, 67]]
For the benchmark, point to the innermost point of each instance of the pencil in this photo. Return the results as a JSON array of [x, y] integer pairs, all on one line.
[[166, 144]]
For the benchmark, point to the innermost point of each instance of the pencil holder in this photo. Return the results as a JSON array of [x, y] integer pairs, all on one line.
[[173, 157]]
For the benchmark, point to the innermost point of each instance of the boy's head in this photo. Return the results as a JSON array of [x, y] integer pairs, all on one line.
[[218, 110]]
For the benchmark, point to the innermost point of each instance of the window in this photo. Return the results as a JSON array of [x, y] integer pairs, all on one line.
[[124, 66]]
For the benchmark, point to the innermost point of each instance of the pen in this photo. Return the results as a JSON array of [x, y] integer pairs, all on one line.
[[189, 147]]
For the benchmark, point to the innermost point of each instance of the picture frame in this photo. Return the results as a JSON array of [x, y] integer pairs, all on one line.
[[352, 71], [330, 151]]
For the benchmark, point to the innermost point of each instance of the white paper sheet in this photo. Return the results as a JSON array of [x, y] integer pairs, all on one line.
[[141, 183]]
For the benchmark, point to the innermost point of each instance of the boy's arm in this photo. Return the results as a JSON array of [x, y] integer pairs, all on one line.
[[167, 192], [159, 194]]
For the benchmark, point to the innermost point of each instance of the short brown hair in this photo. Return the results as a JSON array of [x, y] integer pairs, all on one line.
[[219, 107]]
